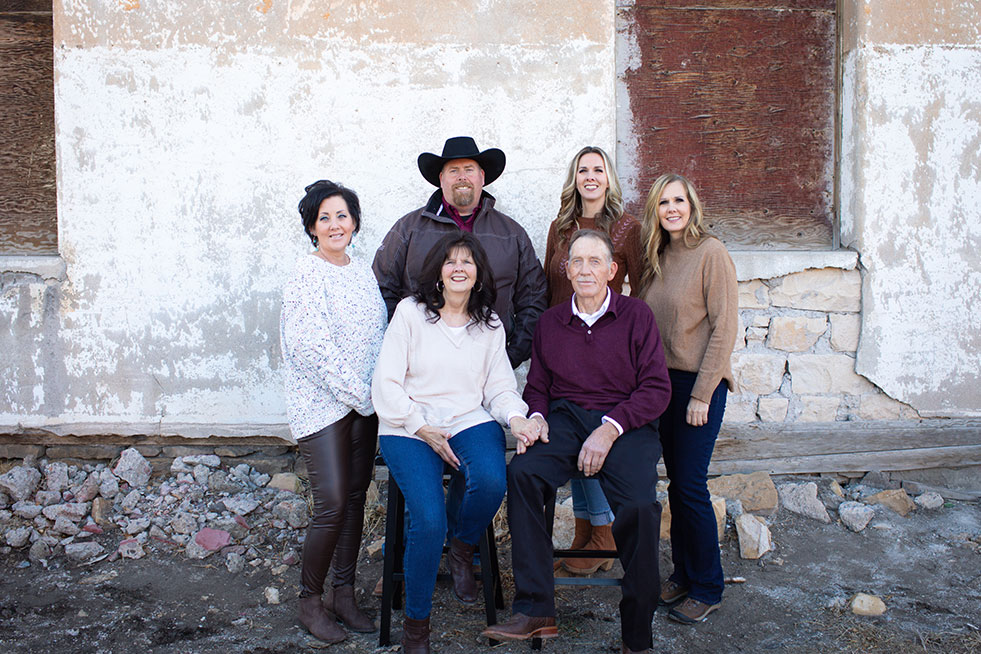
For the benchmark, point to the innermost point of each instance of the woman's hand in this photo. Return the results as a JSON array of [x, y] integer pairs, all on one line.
[[527, 431], [439, 440], [698, 413]]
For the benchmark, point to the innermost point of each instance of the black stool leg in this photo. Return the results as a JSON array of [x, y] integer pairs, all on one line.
[[489, 576], [394, 552]]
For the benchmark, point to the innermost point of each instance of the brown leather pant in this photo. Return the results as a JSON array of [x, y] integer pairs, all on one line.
[[339, 460]]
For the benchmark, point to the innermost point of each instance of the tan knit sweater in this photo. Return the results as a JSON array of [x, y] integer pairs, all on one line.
[[695, 302]]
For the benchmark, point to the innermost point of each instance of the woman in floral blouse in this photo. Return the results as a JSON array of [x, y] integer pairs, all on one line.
[[332, 327]]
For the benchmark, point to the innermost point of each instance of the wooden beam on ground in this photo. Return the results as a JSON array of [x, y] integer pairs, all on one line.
[[845, 447]]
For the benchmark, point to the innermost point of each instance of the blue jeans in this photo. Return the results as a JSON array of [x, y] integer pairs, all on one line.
[[418, 471], [589, 502], [687, 452]]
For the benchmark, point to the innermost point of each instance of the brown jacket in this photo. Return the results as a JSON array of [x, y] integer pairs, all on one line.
[[517, 272]]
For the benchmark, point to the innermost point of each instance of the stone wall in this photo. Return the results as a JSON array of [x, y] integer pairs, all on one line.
[[794, 358]]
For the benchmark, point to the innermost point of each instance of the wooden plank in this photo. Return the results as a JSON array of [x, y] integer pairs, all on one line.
[[23, 6], [28, 212], [911, 459], [847, 447], [823, 5], [745, 442], [741, 99]]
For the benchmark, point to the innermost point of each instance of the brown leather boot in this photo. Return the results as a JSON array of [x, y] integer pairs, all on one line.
[[584, 529], [318, 621], [460, 561], [415, 636], [601, 539], [340, 601]]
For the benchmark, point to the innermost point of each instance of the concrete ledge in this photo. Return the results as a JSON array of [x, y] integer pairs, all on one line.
[[189, 430], [45, 266], [767, 264]]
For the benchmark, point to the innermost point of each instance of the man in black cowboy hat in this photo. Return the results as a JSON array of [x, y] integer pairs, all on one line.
[[460, 202]]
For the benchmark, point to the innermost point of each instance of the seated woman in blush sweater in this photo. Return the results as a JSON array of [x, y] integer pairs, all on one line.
[[690, 285], [442, 388]]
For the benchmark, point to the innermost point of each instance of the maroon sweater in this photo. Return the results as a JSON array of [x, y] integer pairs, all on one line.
[[615, 366]]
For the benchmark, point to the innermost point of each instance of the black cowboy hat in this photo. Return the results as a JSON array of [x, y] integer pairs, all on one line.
[[462, 147]]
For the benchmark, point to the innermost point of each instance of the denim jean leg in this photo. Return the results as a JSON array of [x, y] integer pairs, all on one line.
[[418, 471], [696, 552], [480, 450], [597, 506]]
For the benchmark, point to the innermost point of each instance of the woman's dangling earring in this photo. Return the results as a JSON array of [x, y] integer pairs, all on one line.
[[439, 285], [478, 287], [316, 242]]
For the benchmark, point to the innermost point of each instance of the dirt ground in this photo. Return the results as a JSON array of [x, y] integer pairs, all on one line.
[[927, 569]]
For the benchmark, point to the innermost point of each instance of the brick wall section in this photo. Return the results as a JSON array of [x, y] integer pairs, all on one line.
[[794, 359]]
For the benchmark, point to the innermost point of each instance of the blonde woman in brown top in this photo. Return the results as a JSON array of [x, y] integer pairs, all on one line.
[[591, 199], [690, 285]]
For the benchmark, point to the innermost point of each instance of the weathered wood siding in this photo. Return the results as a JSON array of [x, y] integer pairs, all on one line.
[[739, 96], [28, 217]]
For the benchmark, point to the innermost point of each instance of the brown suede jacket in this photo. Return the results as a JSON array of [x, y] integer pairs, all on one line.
[[518, 274]]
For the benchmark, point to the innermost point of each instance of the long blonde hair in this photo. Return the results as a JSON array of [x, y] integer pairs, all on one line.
[[570, 209], [655, 237]]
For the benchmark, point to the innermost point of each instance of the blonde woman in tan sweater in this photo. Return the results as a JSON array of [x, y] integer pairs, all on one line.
[[690, 285]]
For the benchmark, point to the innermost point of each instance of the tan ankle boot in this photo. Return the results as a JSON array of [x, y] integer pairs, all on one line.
[[584, 529], [601, 539]]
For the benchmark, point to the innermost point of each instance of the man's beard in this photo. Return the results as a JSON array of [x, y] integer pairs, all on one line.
[[462, 196]]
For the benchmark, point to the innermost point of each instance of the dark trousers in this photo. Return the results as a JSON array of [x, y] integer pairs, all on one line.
[[628, 478], [339, 460], [687, 452]]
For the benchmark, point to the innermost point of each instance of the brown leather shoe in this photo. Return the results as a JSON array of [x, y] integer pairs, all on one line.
[[460, 561], [671, 592], [341, 602], [415, 636], [601, 538], [691, 611], [626, 650], [523, 627], [584, 529], [318, 621]]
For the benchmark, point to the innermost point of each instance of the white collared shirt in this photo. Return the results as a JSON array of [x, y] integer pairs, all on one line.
[[591, 318]]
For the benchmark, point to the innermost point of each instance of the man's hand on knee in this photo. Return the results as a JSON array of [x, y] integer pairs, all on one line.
[[597, 446]]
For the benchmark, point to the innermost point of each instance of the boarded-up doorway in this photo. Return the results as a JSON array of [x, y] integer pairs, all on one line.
[[740, 97]]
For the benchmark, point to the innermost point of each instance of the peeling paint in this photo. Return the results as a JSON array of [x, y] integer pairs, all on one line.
[[628, 58], [186, 133], [917, 222]]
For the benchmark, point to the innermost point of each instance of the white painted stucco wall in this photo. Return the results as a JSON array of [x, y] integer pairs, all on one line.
[[911, 197], [186, 132]]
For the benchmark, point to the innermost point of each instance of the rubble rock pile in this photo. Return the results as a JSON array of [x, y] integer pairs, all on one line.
[[89, 512], [746, 504]]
